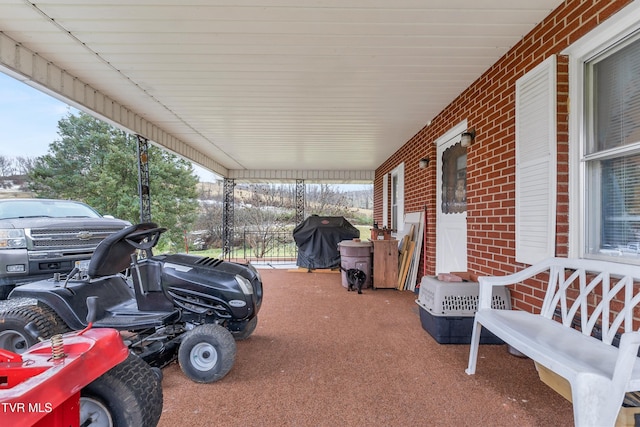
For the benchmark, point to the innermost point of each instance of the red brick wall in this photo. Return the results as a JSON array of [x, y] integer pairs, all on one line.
[[488, 105]]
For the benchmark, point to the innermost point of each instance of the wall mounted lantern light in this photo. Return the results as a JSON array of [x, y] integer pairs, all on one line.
[[467, 137], [423, 163]]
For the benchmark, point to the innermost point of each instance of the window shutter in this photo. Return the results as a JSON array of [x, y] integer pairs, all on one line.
[[397, 195], [385, 200], [536, 163]]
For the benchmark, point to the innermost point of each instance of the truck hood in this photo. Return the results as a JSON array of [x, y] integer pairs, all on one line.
[[45, 222]]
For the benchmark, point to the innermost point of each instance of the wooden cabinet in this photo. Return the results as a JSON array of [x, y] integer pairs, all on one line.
[[385, 263]]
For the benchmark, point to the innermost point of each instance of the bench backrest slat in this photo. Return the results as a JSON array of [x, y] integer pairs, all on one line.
[[591, 295]]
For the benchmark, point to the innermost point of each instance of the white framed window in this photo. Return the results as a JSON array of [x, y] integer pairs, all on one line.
[[604, 140]]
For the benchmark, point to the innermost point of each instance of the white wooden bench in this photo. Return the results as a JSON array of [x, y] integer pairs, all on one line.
[[599, 372]]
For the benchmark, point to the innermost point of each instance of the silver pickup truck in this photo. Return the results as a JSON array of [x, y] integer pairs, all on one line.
[[41, 237]]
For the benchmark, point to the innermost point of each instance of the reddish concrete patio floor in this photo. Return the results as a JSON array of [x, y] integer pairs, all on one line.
[[322, 356]]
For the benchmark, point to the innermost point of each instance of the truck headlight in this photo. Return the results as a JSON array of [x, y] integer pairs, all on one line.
[[11, 238], [244, 284]]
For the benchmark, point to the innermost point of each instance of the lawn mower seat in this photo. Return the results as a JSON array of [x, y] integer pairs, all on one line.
[[113, 254], [147, 285]]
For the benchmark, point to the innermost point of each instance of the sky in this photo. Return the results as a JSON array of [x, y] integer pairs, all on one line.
[[29, 121]]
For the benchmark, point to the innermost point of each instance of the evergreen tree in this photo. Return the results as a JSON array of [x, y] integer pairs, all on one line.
[[96, 163]]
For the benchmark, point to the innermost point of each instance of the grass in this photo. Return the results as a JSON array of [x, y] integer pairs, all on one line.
[[365, 231]]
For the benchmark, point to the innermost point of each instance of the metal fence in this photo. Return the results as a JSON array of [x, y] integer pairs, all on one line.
[[265, 247]]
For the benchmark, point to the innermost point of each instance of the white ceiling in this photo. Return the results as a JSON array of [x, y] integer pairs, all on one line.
[[329, 85]]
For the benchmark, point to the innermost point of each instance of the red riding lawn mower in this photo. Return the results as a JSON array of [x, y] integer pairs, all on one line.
[[78, 379]]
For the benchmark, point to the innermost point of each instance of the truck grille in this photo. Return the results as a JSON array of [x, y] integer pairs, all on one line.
[[58, 238]]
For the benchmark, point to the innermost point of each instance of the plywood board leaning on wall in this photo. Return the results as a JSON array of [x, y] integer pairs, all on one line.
[[406, 262], [413, 229]]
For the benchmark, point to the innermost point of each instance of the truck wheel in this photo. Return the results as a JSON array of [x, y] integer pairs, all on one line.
[[207, 353], [247, 331], [13, 335], [128, 394]]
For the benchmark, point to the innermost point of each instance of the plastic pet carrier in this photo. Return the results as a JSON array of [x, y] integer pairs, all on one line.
[[447, 310]]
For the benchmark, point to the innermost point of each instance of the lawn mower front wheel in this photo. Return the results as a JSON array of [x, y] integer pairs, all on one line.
[[207, 353]]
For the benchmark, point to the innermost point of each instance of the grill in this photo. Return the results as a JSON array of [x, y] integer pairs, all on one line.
[[48, 238]]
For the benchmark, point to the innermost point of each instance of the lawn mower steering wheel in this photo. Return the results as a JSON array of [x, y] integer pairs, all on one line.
[[145, 239]]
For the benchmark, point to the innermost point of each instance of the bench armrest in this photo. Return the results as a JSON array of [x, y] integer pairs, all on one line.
[[486, 283]]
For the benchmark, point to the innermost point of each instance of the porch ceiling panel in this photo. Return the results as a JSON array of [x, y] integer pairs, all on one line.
[[273, 84]]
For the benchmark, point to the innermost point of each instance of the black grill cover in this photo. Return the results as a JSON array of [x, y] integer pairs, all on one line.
[[317, 239]]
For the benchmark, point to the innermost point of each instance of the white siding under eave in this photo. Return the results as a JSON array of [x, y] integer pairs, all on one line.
[[34, 70], [332, 176]]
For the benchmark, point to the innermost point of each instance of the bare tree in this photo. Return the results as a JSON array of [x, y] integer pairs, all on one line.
[[266, 212], [6, 166], [210, 222], [24, 165], [324, 199]]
